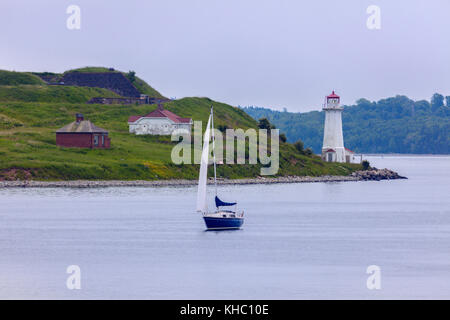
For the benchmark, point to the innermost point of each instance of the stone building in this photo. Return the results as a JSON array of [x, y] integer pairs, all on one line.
[[159, 122]]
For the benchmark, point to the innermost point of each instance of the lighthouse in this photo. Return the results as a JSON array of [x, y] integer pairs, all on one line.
[[333, 141]]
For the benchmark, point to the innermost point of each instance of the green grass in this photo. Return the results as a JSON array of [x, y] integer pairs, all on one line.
[[49, 76], [56, 93], [199, 109], [144, 88], [28, 150], [12, 78], [90, 69]]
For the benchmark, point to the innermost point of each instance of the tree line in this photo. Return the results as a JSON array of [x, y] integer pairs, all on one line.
[[392, 125]]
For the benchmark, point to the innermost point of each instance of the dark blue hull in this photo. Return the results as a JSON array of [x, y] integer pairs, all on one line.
[[217, 223]]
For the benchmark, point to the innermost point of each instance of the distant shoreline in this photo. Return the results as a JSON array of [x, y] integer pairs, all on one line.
[[382, 174]]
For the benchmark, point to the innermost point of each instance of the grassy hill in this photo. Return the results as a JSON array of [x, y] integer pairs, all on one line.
[[45, 93], [30, 115], [144, 88], [91, 69], [16, 78]]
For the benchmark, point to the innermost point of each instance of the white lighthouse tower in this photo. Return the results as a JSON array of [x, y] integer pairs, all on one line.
[[333, 141]]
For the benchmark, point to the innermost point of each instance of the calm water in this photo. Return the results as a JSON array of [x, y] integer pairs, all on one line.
[[299, 240]]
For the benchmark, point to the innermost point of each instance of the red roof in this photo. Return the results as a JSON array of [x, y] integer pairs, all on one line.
[[349, 150], [333, 95], [161, 113], [330, 150], [133, 118]]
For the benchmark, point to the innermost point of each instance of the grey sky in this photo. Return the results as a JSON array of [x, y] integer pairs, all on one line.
[[248, 52]]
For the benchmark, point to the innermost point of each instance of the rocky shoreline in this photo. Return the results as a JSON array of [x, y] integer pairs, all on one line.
[[373, 174], [377, 175]]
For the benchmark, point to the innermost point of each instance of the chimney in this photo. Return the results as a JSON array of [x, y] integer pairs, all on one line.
[[160, 106], [79, 117]]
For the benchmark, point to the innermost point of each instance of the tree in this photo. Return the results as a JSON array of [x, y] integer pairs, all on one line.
[[299, 146], [365, 165], [437, 101], [222, 127], [363, 102], [131, 75], [283, 137], [447, 101], [265, 124]]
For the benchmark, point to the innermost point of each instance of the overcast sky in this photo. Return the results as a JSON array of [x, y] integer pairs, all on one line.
[[244, 52]]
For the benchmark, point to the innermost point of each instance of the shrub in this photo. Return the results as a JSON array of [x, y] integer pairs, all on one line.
[[131, 75], [264, 124], [365, 165], [299, 146], [308, 151], [222, 127]]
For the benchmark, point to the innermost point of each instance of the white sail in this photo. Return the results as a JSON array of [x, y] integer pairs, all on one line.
[[203, 176]]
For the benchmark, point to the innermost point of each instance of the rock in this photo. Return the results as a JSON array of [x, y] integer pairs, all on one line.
[[377, 174]]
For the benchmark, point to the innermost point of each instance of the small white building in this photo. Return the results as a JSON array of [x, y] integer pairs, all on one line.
[[330, 155], [159, 122]]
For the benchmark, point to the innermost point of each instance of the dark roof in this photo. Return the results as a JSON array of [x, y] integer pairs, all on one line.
[[84, 126], [161, 113], [330, 150]]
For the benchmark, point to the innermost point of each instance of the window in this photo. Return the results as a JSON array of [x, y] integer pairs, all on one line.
[[95, 140], [103, 140]]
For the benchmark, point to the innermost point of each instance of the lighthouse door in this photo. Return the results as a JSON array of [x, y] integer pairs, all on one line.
[[330, 157]]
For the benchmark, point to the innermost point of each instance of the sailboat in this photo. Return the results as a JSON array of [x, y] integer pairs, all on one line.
[[220, 219]]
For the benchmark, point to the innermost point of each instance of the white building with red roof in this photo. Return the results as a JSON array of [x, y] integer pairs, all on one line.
[[159, 122]]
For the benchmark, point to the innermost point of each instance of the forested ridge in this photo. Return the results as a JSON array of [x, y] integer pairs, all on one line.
[[392, 125]]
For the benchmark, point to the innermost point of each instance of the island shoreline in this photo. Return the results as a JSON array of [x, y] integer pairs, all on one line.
[[370, 175]]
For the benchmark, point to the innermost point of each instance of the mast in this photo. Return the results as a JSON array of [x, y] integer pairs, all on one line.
[[213, 147]]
